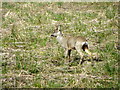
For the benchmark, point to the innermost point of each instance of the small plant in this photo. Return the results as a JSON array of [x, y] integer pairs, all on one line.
[[33, 59]]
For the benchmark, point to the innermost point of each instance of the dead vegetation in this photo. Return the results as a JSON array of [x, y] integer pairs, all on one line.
[[31, 58]]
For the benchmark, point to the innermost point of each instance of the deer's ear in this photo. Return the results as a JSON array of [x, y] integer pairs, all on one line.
[[59, 28]]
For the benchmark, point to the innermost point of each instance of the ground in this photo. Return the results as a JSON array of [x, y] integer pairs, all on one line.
[[31, 58]]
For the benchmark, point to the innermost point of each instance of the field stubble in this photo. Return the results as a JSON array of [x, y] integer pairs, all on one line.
[[31, 58]]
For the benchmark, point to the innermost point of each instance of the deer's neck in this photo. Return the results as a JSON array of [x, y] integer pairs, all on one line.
[[60, 38]]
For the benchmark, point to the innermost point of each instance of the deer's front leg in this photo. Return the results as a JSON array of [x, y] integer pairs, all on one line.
[[67, 53]]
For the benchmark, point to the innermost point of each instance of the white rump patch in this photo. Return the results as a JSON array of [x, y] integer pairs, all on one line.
[[84, 43]]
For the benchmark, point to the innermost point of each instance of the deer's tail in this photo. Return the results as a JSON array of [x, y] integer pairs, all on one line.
[[85, 48]]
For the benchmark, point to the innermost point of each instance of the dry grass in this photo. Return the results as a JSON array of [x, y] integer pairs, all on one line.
[[31, 58]]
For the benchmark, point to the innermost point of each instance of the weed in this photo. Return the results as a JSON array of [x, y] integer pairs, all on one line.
[[31, 58]]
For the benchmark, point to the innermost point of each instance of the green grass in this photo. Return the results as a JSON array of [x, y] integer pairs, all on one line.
[[33, 59]]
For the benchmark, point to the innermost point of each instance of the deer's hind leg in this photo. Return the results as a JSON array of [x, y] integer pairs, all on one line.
[[79, 50]]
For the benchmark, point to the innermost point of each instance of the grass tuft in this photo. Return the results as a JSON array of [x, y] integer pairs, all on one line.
[[33, 59]]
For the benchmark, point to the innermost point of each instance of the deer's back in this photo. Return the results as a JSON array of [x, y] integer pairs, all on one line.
[[71, 42]]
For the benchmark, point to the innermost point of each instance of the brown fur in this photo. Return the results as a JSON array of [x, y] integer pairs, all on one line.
[[70, 43]]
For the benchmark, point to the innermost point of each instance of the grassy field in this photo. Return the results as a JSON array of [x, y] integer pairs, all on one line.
[[33, 59]]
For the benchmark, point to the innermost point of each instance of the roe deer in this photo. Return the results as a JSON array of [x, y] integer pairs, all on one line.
[[77, 43]]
